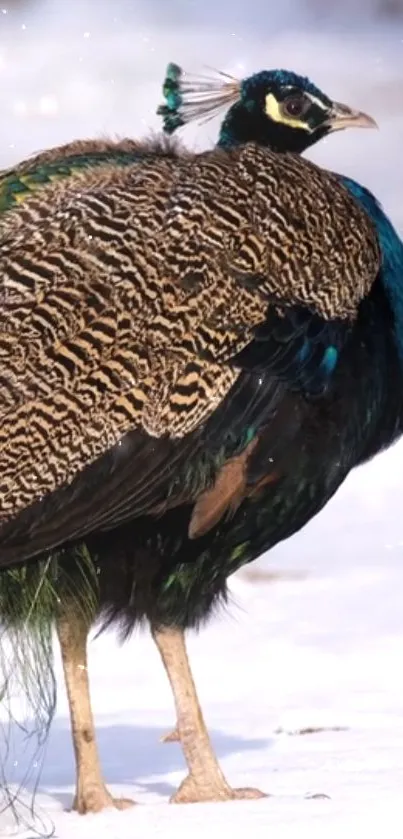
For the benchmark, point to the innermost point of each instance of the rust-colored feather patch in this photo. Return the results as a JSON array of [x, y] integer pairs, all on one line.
[[226, 495]]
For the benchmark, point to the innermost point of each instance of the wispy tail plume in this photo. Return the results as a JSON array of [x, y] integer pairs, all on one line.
[[31, 597], [27, 697]]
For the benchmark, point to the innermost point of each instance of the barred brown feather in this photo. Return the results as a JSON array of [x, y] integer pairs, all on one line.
[[126, 292]]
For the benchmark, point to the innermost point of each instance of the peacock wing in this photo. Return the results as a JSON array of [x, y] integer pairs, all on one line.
[[132, 300]]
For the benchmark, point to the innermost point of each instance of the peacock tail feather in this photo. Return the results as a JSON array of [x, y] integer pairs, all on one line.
[[31, 597]]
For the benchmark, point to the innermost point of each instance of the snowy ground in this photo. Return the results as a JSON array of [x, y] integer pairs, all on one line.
[[321, 646]]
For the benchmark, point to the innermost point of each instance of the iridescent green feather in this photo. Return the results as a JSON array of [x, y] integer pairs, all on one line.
[[16, 185], [191, 98], [171, 89]]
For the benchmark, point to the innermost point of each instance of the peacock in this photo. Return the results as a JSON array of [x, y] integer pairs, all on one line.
[[281, 110], [181, 338]]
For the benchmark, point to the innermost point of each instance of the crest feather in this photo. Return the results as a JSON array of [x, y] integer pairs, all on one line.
[[198, 98]]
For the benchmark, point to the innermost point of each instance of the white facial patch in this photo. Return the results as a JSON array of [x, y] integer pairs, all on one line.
[[274, 112]]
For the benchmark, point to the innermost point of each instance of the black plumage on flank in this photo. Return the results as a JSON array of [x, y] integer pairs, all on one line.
[[194, 350]]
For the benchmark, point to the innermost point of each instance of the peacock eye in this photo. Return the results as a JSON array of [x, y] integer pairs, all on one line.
[[295, 106]]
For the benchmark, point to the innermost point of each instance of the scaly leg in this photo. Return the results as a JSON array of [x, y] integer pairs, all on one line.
[[91, 792], [205, 781]]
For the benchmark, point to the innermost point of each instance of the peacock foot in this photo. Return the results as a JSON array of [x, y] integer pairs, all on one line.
[[193, 792], [171, 737], [94, 799]]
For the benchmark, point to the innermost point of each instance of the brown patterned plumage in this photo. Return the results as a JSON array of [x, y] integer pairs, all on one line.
[[127, 291]]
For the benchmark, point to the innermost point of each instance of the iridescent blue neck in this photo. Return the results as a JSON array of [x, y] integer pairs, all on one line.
[[392, 255], [243, 124]]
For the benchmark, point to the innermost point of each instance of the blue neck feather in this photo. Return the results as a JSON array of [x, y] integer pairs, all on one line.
[[392, 254]]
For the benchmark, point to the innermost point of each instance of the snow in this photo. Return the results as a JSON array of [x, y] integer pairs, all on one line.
[[313, 638]]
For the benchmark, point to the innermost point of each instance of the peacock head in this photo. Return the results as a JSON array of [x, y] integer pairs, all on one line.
[[276, 108]]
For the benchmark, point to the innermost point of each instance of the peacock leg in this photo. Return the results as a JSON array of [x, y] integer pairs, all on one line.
[[91, 792], [205, 781]]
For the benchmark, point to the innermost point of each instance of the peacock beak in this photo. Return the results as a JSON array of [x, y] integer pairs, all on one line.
[[341, 116]]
